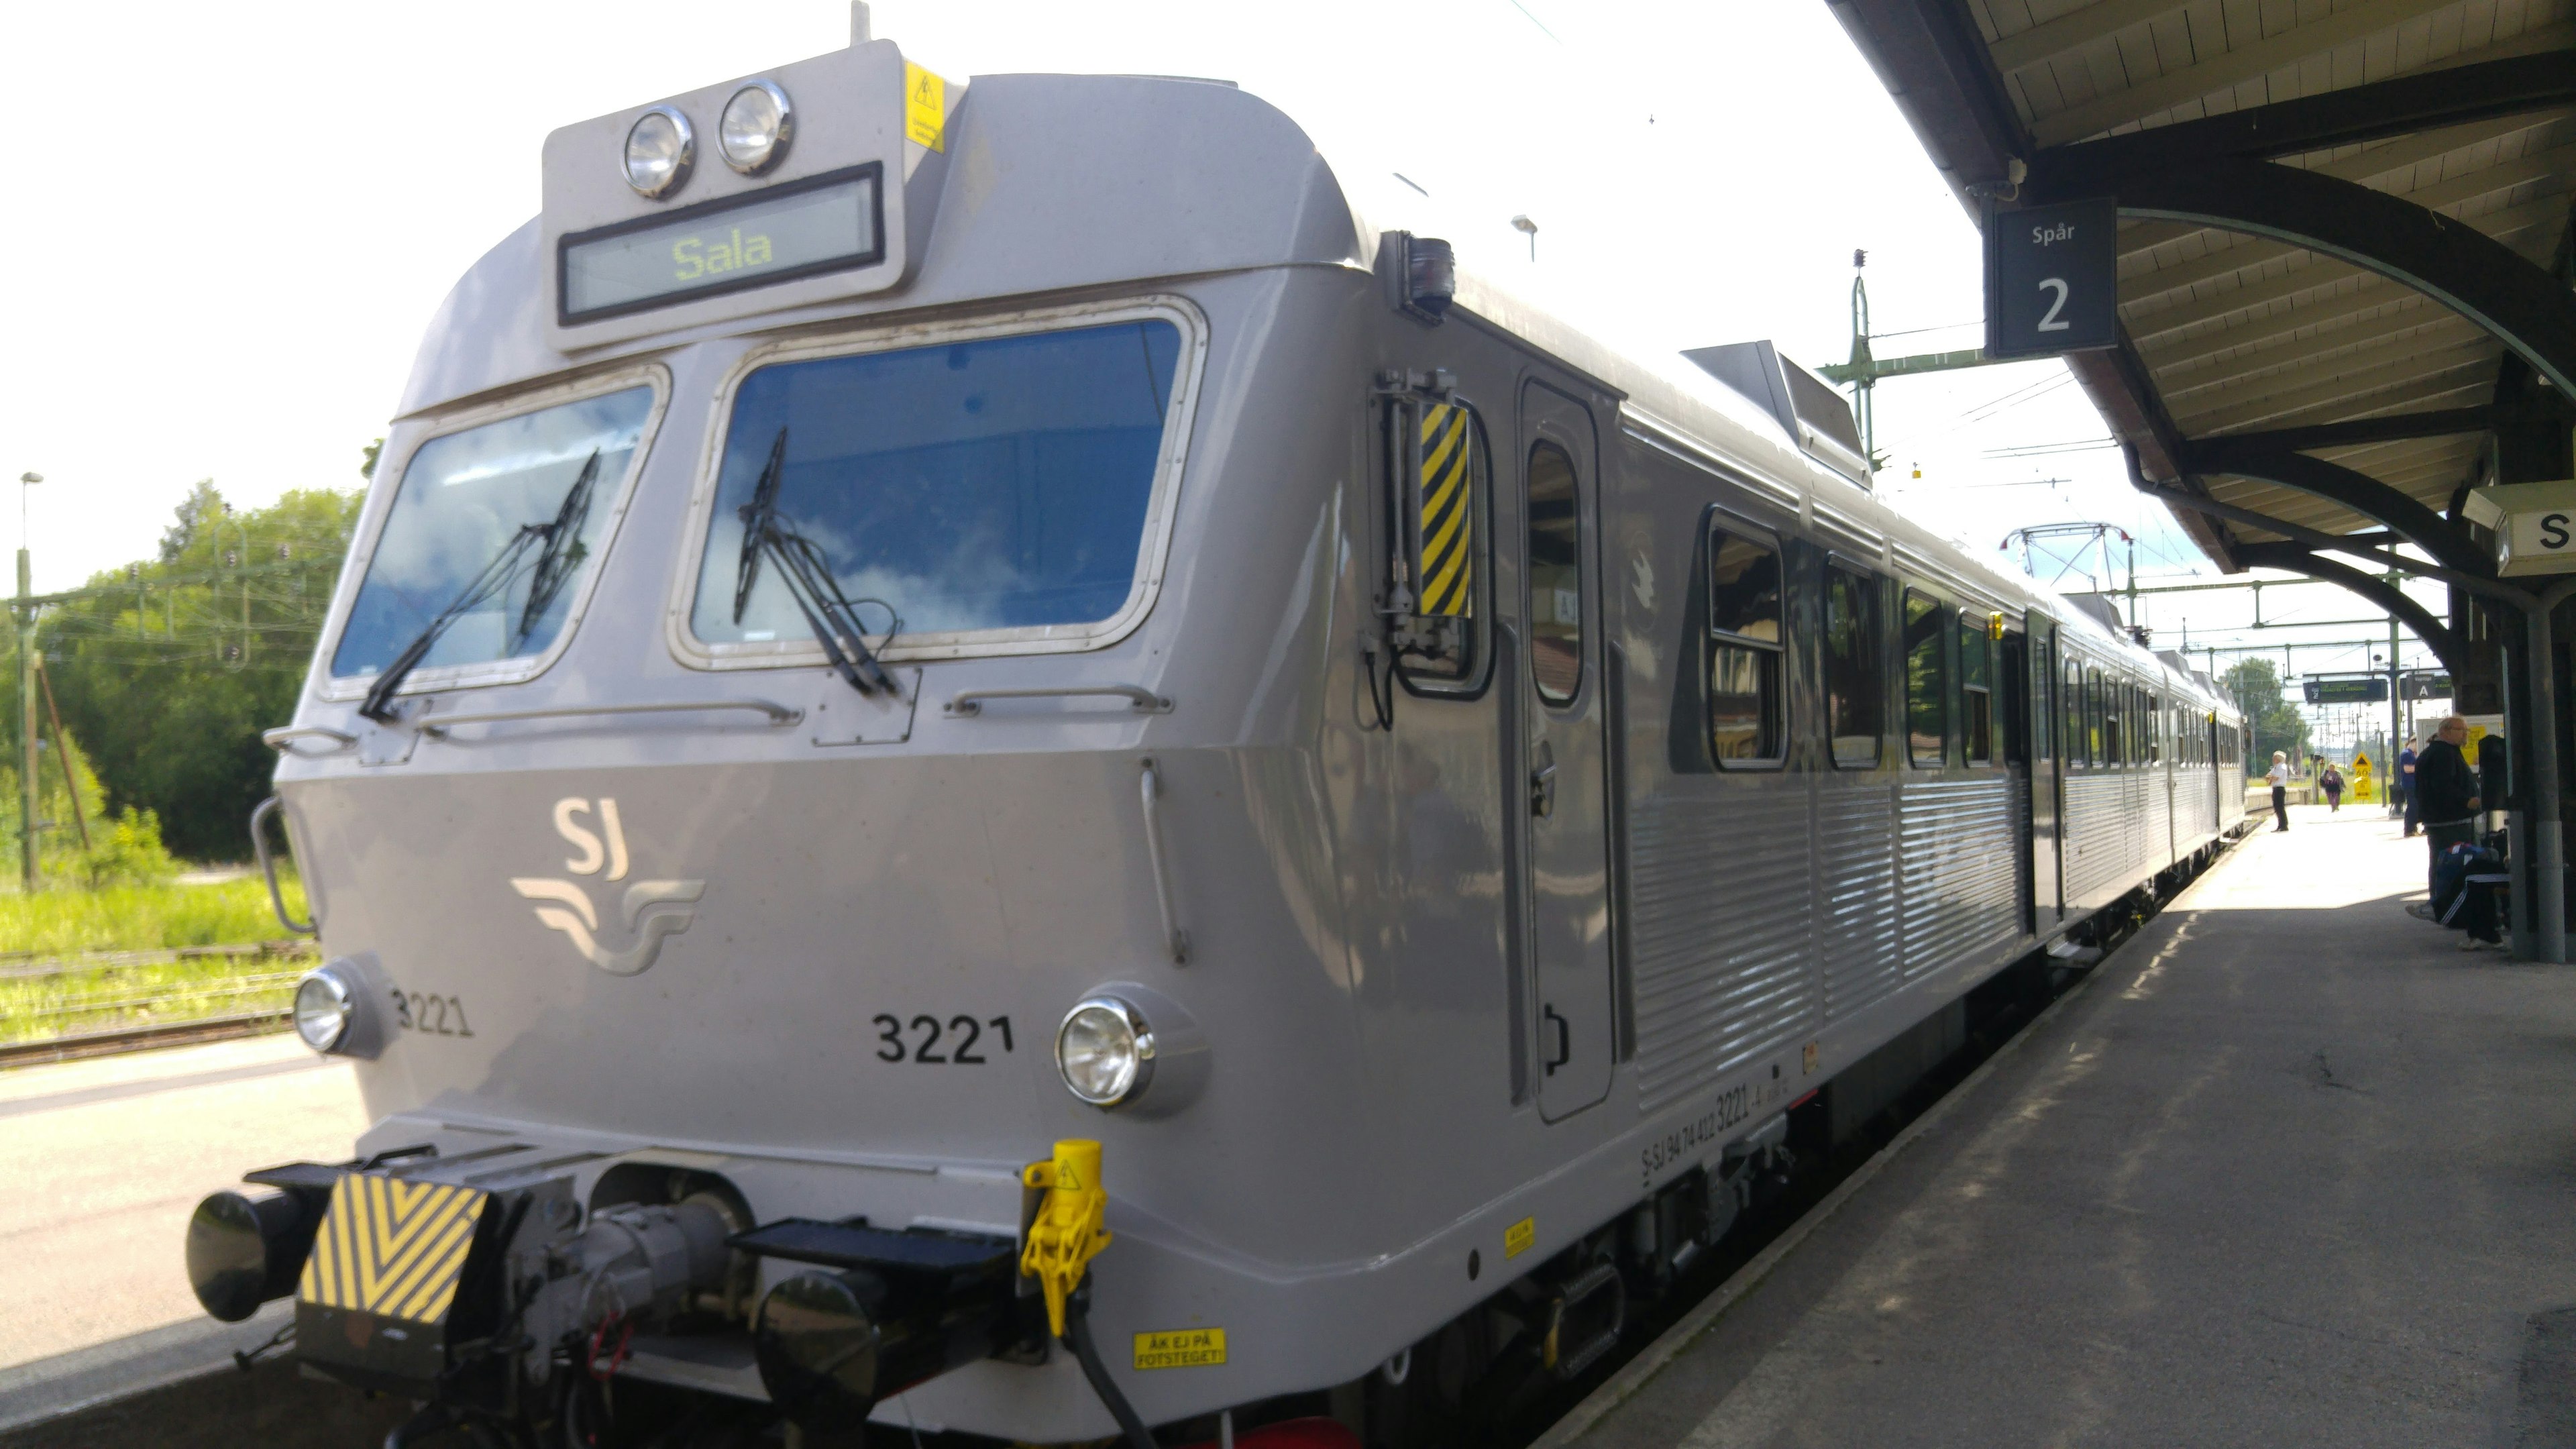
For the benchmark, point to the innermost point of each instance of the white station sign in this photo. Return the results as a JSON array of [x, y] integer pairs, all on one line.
[[2534, 524]]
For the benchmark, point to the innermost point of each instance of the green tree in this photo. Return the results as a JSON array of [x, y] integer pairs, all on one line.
[[168, 670], [2277, 723]]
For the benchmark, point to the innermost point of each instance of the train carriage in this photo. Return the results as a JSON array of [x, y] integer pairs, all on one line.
[[908, 628]]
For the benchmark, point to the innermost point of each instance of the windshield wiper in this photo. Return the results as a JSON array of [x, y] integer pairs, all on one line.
[[561, 558], [558, 553], [831, 614]]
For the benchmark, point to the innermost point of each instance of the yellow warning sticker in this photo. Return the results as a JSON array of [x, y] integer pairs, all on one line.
[[391, 1247], [1182, 1348], [925, 107], [1518, 1237]]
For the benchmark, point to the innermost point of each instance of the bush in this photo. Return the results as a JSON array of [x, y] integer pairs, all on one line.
[[128, 852]]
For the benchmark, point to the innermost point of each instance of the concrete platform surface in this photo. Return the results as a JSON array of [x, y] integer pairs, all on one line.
[[2289, 1170], [106, 1157]]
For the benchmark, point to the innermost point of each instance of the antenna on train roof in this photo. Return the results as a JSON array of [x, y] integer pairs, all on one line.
[[859, 22]]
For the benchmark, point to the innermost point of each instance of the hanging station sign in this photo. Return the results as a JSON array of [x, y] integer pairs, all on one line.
[[2534, 525], [2052, 279]]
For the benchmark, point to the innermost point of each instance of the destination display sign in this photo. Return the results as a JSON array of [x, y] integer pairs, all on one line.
[[2371, 690], [2052, 279], [822, 224]]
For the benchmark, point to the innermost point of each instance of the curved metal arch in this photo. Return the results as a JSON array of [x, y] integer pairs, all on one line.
[[2358, 491], [2464, 269], [2293, 558]]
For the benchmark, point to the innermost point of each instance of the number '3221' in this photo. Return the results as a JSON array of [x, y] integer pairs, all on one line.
[[964, 1034]]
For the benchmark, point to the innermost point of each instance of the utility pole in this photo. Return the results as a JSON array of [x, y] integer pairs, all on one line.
[[26, 618]]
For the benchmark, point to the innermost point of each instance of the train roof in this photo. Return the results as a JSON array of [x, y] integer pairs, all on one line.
[[1180, 178]]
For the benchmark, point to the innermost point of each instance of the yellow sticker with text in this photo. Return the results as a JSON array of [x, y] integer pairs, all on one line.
[[925, 107], [1518, 1237], [1182, 1348]]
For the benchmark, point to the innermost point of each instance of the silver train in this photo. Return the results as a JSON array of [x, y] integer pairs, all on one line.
[[982, 763]]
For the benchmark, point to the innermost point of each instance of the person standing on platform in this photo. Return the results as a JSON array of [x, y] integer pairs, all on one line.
[[2332, 780], [2279, 775], [2405, 783], [2447, 791]]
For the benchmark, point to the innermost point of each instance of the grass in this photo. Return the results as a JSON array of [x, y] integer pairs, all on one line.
[[143, 918], [54, 980]]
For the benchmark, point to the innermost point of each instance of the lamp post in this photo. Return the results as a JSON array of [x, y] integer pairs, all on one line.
[[26, 612]]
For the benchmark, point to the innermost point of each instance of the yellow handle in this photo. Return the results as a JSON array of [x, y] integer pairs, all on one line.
[[1068, 1229]]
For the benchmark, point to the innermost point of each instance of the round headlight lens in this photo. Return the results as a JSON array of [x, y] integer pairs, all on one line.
[[756, 126], [660, 148], [1104, 1051], [323, 1007]]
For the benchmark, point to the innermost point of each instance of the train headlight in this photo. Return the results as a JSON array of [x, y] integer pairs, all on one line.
[[324, 1007], [755, 128], [660, 149], [1105, 1051]]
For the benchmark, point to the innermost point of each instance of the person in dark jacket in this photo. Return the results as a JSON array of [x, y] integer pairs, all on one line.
[[2447, 792], [2405, 783]]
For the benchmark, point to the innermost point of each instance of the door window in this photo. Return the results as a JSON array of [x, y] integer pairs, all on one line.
[[1744, 649], [1976, 690], [1926, 682], [2078, 750], [1555, 575], [1855, 684]]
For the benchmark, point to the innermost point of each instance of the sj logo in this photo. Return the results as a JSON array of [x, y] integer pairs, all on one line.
[[653, 910]]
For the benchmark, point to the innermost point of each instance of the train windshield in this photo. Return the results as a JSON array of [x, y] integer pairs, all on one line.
[[464, 501], [998, 484]]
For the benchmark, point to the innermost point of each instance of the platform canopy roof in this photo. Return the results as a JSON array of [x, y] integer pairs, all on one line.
[[2342, 221]]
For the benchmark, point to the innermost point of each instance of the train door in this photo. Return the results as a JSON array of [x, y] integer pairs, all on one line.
[[2047, 840], [1564, 809], [2018, 768]]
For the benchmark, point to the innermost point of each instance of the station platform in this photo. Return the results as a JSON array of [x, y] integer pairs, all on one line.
[[105, 1159], [2289, 1169]]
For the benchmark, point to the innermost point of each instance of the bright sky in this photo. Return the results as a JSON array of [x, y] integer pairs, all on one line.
[[235, 220]]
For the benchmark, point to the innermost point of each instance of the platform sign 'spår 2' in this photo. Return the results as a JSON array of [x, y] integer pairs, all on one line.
[[2052, 276]]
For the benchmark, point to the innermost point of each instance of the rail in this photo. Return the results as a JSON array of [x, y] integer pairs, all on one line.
[[968, 703], [779, 715]]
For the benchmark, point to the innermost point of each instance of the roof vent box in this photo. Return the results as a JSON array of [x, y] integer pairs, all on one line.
[[1807, 407], [2101, 610]]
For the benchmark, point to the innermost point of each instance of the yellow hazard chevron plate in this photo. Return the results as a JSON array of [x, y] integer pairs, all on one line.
[[1447, 523], [392, 1248]]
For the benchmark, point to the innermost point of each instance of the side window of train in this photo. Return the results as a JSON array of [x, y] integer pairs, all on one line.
[[1436, 577], [1555, 575], [2156, 742], [1976, 690], [1855, 682], [1926, 682], [1745, 675]]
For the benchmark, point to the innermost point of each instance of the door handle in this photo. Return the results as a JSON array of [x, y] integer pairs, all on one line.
[[1543, 783], [1564, 1039]]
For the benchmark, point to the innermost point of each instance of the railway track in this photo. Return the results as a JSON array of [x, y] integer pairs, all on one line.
[[141, 1038]]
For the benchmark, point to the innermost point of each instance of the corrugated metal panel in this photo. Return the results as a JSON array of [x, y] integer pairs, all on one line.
[[2102, 835], [1957, 859], [1856, 888], [1723, 934]]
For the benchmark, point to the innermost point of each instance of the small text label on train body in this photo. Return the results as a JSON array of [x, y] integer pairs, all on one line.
[[1181, 1348], [1690, 1141], [1518, 1237]]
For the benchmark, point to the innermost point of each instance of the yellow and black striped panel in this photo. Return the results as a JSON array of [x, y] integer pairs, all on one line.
[[392, 1248], [1448, 515]]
